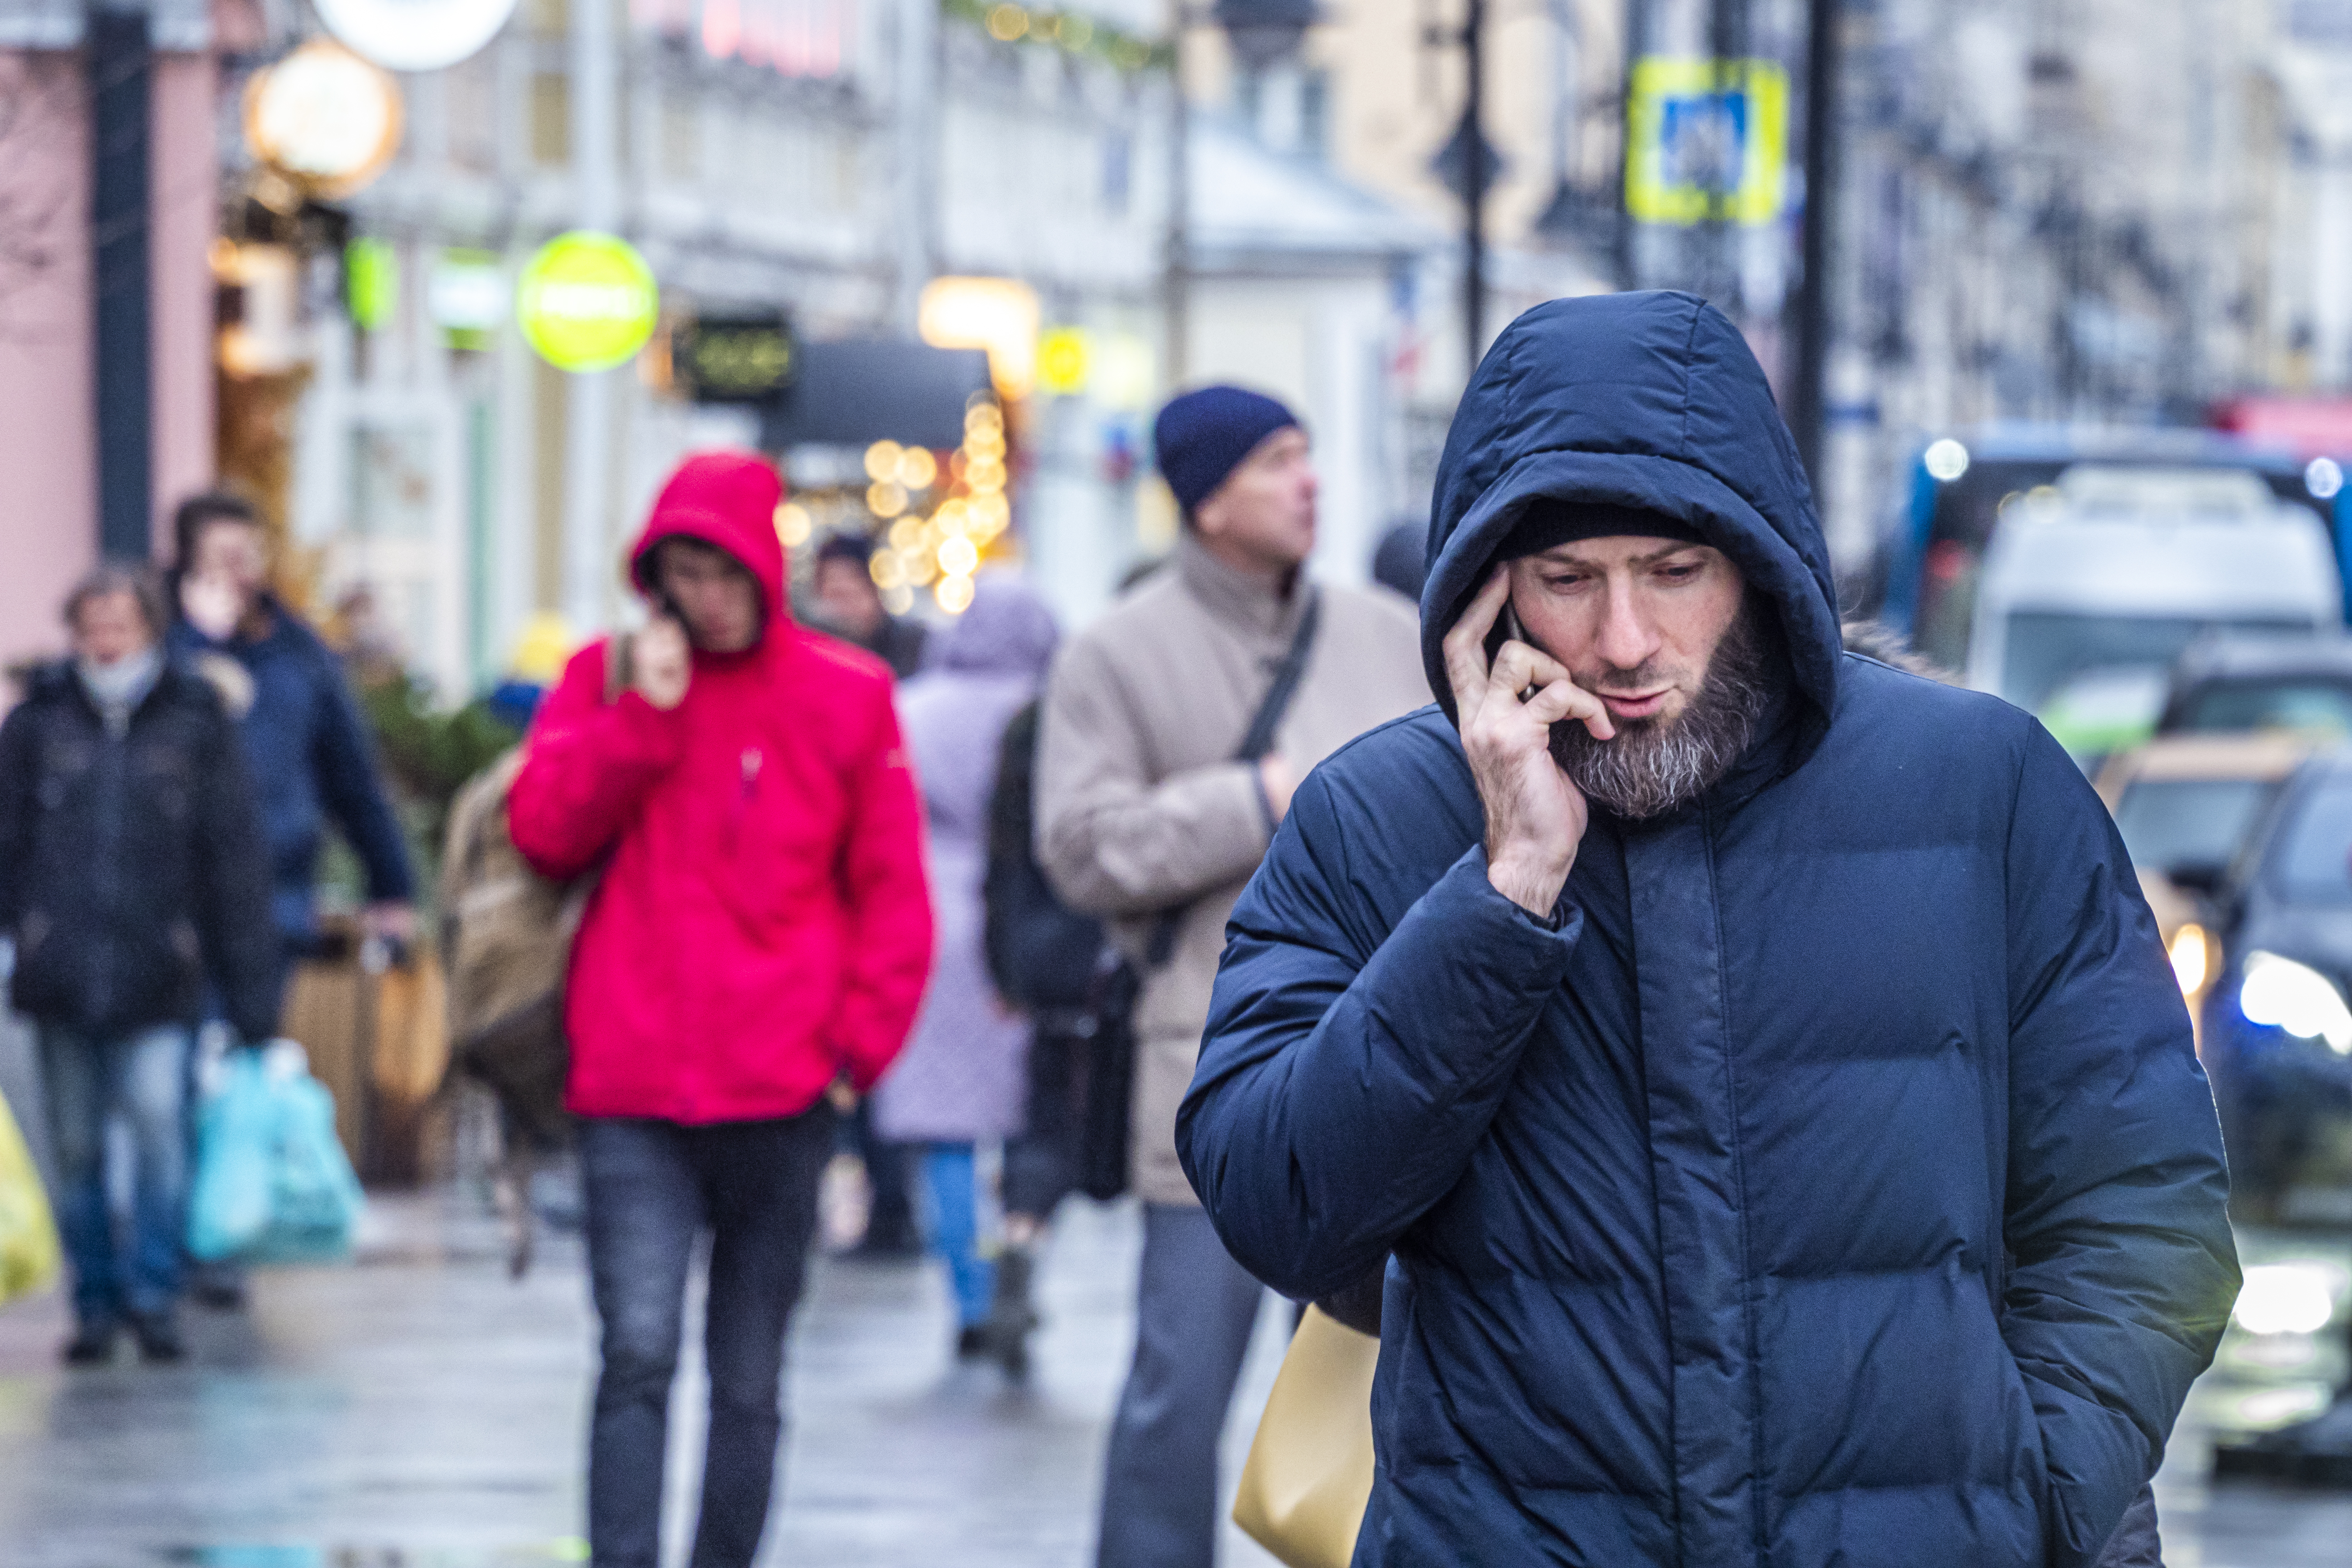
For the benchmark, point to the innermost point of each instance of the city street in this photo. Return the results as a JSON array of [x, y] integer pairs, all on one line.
[[417, 1409]]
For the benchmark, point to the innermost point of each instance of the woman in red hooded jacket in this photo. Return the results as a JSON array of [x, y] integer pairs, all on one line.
[[760, 932]]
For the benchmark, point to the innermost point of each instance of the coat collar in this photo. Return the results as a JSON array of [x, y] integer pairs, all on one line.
[[1251, 604]]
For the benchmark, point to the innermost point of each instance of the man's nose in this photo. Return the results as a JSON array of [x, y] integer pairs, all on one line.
[[1627, 638]]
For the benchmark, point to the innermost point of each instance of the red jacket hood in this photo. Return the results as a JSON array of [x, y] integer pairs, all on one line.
[[727, 499]]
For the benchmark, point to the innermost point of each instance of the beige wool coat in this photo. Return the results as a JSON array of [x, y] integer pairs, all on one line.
[[1141, 807]]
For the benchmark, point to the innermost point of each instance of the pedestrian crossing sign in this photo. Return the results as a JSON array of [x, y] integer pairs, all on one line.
[[1706, 141]]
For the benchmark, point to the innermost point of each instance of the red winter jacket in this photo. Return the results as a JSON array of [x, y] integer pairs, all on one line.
[[762, 926]]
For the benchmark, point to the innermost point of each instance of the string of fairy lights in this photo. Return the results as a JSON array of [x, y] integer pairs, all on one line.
[[937, 521]]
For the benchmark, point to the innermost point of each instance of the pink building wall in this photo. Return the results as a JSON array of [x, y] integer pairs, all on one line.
[[49, 527]]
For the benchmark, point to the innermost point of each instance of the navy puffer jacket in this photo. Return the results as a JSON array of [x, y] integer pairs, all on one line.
[[1835, 1186]]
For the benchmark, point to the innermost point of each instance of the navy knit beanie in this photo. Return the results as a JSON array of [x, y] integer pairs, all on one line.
[[1204, 436]]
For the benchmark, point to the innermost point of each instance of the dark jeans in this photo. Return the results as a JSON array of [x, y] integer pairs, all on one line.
[[652, 1188], [1041, 1165], [143, 1079]]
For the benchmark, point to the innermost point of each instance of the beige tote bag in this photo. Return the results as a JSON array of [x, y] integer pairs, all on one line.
[[1310, 1468]]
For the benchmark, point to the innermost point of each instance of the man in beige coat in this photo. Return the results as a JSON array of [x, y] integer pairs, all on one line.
[[1143, 809]]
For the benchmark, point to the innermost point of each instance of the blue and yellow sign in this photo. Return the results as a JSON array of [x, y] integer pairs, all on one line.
[[1706, 141]]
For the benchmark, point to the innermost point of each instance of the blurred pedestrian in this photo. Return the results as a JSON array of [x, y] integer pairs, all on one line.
[[760, 933], [1399, 560], [961, 1082], [849, 605], [1150, 812], [308, 750], [1750, 1069], [132, 874]]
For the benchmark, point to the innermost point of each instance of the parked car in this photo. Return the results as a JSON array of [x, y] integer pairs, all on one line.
[[2302, 684], [2090, 591], [2276, 1037]]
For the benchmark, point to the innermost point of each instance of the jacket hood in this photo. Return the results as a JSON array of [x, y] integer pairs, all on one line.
[[1006, 630], [1649, 400], [727, 499]]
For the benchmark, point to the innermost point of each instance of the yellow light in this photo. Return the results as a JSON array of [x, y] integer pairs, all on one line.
[[1007, 22], [907, 533], [953, 516], [919, 566], [918, 468], [999, 314], [983, 417], [899, 600], [884, 497], [989, 515], [958, 557], [982, 446], [882, 461], [886, 570], [793, 525], [1076, 32], [2191, 964], [954, 594], [1063, 357], [985, 476]]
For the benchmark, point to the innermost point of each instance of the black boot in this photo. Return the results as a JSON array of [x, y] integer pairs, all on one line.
[[1011, 1314], [93, 1342], [158, 1335]]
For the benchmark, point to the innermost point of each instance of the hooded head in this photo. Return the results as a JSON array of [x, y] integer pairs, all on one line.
[[727, 500], [1005, 630], [1646, 402]]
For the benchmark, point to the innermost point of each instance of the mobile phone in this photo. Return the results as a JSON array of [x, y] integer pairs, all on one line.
[[1506, 628]]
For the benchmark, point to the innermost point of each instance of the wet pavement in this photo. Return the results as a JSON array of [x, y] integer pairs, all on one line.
[[417, 1409]]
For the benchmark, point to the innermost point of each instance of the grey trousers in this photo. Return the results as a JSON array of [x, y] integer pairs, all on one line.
[[1194, 1312]]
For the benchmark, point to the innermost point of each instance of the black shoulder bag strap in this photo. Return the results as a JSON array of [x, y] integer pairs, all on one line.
[[1255, 744]]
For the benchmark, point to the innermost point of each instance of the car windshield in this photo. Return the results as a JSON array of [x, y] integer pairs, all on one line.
[[2313, 862], [2174, 826], [2045, 649], [2305, 704]]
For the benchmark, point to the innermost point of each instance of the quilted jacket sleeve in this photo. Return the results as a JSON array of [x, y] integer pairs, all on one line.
[[586, 768], [890, 905], [1348, 1073], [2123, 1268]]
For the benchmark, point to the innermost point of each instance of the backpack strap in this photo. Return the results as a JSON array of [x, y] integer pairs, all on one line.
[[1257, 741]]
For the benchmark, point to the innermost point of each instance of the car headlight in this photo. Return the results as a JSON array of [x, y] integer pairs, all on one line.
[[2288, 1298], [2190, 964], [2297, 998]]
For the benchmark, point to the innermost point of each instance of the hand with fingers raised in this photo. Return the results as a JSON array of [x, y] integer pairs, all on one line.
[[1535, 814]]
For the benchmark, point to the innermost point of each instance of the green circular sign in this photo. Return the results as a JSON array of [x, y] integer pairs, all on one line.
[[587, 301]]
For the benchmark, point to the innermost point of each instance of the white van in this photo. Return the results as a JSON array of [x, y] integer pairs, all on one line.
[[2093, 587]]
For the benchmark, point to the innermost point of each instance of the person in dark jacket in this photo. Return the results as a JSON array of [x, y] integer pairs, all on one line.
[[1754, 1067], [132, 872], [850, 607], [303, 735]]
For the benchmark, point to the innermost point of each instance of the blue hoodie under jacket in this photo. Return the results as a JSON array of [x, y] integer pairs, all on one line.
[[1836, 1185]]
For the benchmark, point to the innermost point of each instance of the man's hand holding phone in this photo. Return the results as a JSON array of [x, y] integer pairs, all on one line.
[[1535, 816], [661, 663]]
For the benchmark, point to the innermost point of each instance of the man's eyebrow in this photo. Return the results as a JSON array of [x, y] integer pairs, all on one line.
[[1557, 555]]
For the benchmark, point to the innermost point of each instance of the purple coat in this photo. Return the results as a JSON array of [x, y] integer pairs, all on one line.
[[961, 1077]]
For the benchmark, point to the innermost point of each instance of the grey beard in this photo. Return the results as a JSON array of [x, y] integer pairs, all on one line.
[[1652, 767]]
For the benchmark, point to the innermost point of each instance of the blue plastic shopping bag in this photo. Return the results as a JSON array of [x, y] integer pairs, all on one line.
[[272, 1183]]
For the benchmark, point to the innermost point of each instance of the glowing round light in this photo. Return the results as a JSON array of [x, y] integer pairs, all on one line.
[[953, 594], [324, 118], [2283, 993], [919, 566], [906, 534], [1007, 22], [2190, 962], [989, 515], [416, 35], [882, 461], [2286, 1298], [984, 476], [918, 468], [899, 600], [958, 557], [793, 525], [982, 417], [953, 516], [2323, 477], [886, 570], [1946, 459], [885, 498], [587, 301]]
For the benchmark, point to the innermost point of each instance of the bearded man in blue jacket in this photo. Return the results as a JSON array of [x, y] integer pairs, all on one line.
[[1755, 1067]]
